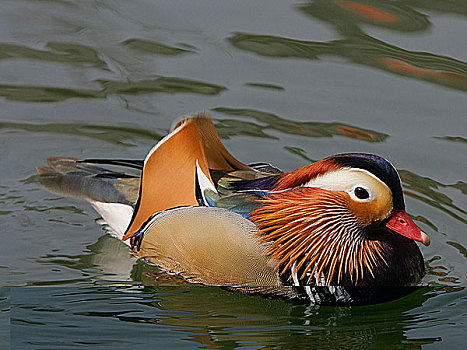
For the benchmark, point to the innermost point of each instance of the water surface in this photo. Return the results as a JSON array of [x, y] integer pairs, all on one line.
[[286, 82]]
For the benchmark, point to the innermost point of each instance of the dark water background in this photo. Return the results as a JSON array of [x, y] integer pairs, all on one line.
[[287, 82]]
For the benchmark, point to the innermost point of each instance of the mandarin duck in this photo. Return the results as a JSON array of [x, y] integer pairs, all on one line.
[[333, 232]]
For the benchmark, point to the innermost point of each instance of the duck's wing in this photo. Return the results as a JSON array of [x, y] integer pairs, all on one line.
[[212, 246], [165, 179], [76, 178], [112, 193], [176, 164], [241, 191]]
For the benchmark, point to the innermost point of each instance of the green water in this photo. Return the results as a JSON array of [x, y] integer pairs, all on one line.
[[286, 82]]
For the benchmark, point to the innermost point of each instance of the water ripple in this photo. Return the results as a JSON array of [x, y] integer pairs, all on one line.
[[170, 85], [362, 49], [287, 126]]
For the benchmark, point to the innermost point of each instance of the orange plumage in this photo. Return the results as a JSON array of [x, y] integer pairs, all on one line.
[[198, 212]]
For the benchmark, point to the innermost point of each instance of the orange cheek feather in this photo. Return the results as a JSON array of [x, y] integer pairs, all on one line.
[[369, 212]]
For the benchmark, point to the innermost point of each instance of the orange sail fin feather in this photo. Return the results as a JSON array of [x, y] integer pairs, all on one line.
[[169, 171]]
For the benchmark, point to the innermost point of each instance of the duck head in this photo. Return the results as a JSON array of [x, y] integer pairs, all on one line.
[[341, 220]]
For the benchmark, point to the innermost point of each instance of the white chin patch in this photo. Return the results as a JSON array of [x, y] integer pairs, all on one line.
[[116, 215]]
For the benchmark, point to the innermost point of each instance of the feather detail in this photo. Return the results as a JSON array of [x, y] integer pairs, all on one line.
[[312, 230], [285, 181], [299, 177], [169, 172], [130, 163], [208, 245]]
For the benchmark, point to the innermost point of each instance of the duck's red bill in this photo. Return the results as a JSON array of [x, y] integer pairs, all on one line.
[[400, 222]]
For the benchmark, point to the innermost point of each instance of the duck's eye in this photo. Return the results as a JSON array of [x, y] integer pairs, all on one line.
[[361, 193]]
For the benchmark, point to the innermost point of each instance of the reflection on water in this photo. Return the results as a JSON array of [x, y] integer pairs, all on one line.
[[152, 47], [267, 322], [113, 134], [209, 317], [395, 15], [269, 121], [362, 49], [265, 86], [358, 47], [170, 85], [462, 250], [424, 189], [107, 259], [58, 52], [453, 139]]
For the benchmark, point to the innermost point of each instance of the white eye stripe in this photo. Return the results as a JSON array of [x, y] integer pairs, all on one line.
[[347, 180]]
